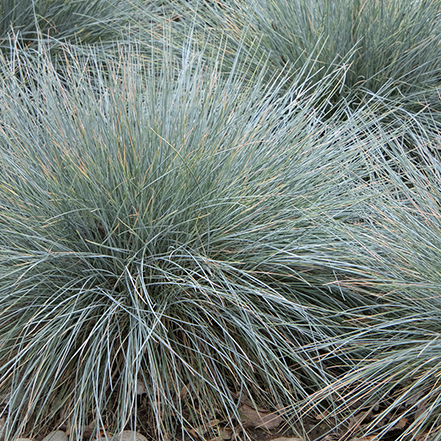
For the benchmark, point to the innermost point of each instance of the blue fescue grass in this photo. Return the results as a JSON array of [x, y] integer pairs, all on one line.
[[221, 227], [391, 48], [395, 347], [77, 22], [173, 226]]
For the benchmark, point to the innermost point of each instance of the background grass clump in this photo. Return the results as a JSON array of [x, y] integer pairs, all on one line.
[[30, 22], [403, 245], [219, 203], [391, 41], [386, 51]]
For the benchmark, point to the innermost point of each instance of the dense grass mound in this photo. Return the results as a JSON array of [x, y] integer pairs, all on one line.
[[175, 229], [258, 222]]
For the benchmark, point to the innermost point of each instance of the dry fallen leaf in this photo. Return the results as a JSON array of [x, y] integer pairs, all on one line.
[[282, 438], [359, 418], [259, 418], [421, 409], [401, 423], [225, 433], [183, 393], [322, 416], [413, 399], [204, 428], [423, 436], [140, 387]]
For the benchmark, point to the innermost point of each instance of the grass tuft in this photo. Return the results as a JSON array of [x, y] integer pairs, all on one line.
[[165, 227]]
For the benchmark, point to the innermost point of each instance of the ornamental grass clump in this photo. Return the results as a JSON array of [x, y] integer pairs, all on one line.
[[31, 21], [392, 47], [170, 231], [393, 387]]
